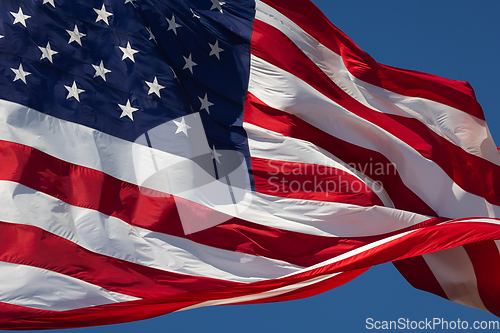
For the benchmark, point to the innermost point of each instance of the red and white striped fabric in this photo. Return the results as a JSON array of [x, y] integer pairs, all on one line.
[[431, 129], [354, 164]]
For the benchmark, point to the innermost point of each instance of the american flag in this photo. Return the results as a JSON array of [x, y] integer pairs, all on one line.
[[167, 155]]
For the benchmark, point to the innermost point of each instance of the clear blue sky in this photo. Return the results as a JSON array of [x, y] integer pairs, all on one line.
[[452, 38]]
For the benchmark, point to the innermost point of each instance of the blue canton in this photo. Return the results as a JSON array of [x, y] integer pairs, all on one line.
[[124, 67]]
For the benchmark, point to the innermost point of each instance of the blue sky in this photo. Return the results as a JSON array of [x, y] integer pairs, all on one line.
[[455, 39]]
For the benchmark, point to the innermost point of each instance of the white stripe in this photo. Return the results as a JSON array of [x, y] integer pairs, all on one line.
[[270, 145], [425, 178], [462, 129], [475, 220], [455, 273], [263, 295], [112, 237], [497, 243], [328, 218], [39, 288], [466, 131], [93, 149]]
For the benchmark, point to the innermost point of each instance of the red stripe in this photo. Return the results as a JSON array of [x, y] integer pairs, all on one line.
[[457, 94], [430, 239], [314, 289], [91, 189], [425, 240], [293, 247], [485, 259], [273, 46], [17, 312], [257, 113], [93, 316], [310, 182], [28, 245], [416, 271]]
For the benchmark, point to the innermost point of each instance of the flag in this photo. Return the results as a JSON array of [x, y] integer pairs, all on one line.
[[166, 155]]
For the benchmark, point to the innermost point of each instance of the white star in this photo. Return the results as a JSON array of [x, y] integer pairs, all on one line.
[[154, 87], [75, 36], [19, 17], [215, 155], [130, 1], [1, 36], [102, 14], [20, 73], [49, 1], [128, 52], [217, 4], [172, 25], [189, 63], [101, 71], [215, 49], [182, 126], [47, 52], [151, 36], [194, 14], [73, 91], [205, 104], [127, 110]]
